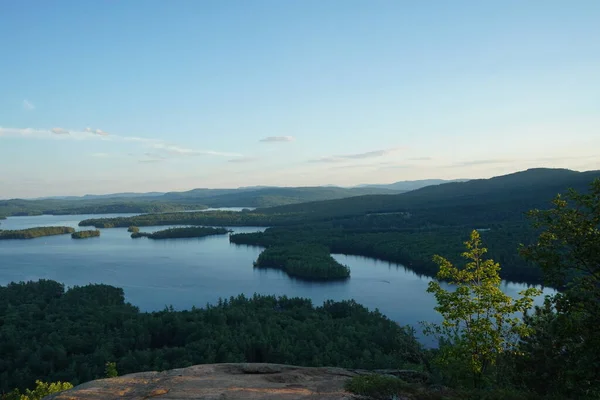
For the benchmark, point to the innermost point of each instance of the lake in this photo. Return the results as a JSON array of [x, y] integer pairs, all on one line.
[[192, 272]]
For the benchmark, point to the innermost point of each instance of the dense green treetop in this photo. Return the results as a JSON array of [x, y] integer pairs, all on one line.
[[53, 335], [563, 355]]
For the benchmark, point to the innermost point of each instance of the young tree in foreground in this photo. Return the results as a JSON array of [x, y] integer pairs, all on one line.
[[479, 323], [42, 389], [563, 355]]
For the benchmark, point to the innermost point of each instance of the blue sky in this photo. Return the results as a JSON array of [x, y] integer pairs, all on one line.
[[107, 96]]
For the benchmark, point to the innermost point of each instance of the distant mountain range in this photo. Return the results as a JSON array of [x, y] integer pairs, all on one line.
[[516, 192], [326, 190], [178, 201], [412, 185]]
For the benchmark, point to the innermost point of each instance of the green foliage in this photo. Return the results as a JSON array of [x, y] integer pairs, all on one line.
[[47, 333], [311, 262], [564, 351], [32, 233], [41, 390], [386, 387], [110, 370], [479, 323], [133, 229], [179, 233], [85, 234], [376, 386]]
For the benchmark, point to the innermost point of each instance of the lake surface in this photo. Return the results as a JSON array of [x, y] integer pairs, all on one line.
[[192, 272]]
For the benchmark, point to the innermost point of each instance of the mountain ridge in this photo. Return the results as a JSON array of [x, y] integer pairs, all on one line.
[[532, 187]]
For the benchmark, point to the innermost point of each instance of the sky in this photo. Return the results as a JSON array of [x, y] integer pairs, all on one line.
[[120, 96]]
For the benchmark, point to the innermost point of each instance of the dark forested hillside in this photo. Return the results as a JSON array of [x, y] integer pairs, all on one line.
[[515, 193], [53, 335]]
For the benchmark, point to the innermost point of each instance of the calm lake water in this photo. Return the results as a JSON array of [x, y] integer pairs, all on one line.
[[192, 272]]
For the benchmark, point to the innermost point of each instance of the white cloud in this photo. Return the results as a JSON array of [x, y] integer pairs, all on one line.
[[275, 139], [243, 160], [175, 150], [357, 156], [27, 105], [167, 149], [471, 163], [59, 131]]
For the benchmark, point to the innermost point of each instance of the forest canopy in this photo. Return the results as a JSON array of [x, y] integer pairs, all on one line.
[[51, 334]]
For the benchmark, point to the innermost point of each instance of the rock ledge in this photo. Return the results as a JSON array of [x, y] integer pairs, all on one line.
[[220, 381]]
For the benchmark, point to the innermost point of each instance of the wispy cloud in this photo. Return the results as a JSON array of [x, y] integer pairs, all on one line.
[[166, 149], [243, 159], [101, 155], [277, 139], [356, 156], [421, 159], [99, 132], [480, 162], [175, 150], [27, 105], [398, 166], [59, 131]]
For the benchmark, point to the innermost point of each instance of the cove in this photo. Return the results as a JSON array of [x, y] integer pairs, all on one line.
[[193, 272]]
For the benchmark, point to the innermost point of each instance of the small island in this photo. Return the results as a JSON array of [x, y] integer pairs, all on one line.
[[32, 233], [85, 234], [308, 262], [133, 229], [179, 233]]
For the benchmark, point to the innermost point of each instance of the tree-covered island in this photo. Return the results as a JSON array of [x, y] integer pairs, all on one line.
[[180, 233], [85, 234], [309, 262], [32, 233]]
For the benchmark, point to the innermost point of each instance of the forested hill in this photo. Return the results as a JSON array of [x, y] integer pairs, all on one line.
[[269, 196], [196, 199], [513, 193]]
